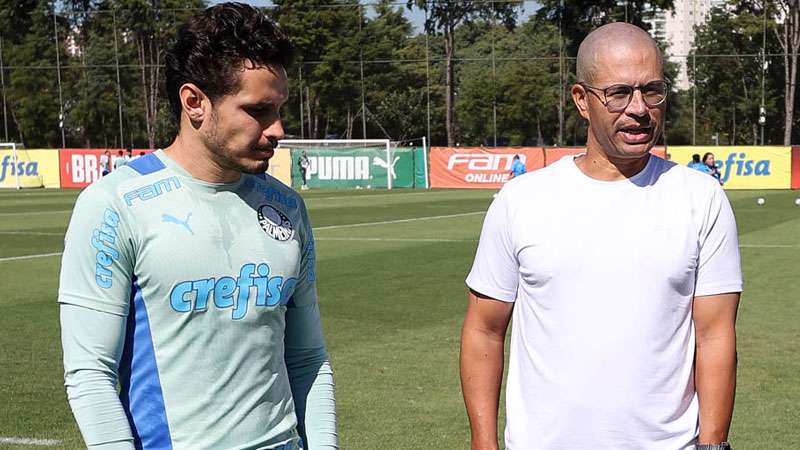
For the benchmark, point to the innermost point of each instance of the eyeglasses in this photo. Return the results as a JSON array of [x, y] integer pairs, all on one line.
[[617, 97]]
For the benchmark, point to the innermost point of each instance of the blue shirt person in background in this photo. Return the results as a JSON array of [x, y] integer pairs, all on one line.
[[696, 164], [517, 167], [711, 166]]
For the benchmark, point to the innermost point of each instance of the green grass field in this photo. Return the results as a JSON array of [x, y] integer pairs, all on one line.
[[391, 267]]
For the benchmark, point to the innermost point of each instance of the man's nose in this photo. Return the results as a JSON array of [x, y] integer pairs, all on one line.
[[637, 106], [274, 132]]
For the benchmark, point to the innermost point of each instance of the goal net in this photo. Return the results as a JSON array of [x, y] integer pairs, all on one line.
[[350, 163], [17, 170]]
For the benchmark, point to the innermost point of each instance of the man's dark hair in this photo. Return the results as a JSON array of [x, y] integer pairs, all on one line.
[[696, 158], [213, 46]]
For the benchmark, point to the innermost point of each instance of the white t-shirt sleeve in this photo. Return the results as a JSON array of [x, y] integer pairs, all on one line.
[[495, 271], [719, 267]]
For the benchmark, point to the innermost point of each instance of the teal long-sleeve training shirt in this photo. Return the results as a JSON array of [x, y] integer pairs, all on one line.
[[189, 314]]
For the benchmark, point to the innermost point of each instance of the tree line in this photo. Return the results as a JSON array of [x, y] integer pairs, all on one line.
[[89, 73]]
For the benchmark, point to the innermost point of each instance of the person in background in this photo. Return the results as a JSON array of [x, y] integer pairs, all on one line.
[[517, 167], [105, 162], [711, 166], [696, 164], [304, 163], [119, 160]]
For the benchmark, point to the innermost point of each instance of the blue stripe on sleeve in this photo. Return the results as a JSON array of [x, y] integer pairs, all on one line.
[[146, 164], [141, 394]]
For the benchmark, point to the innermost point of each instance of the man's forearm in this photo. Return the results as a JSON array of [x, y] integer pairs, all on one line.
[[481, 378], [715, 381], [92, 341]]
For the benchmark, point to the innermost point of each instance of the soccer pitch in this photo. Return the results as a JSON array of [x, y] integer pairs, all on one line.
[[391, 269]]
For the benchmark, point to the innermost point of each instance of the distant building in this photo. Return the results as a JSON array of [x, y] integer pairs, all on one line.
[[676, 28]]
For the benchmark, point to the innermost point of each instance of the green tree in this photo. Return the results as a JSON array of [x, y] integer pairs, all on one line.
[[575, 20], [787, 15], [147, 27], [521, 86], [728, 88], [328, 39], [32, 88], [445, 17], [394, 90]]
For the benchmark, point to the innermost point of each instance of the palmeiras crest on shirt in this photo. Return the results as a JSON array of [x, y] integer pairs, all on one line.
[[275, 223]]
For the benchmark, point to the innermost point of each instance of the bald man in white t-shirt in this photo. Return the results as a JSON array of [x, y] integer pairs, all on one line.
[[623, 282]]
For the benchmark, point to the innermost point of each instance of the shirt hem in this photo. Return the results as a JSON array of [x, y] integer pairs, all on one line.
[[491, 292], [716, 289]]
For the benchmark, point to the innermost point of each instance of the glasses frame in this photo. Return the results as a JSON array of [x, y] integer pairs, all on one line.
[[604, 100]]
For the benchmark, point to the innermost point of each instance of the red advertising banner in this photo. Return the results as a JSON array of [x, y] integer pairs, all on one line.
[[553, 154], [795, 167], [479, 167], [80, 167]]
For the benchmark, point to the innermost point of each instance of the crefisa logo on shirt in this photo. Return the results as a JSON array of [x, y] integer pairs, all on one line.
[[275, 223]]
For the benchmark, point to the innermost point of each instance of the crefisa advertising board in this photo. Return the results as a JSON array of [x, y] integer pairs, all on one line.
[[745, 167], [30, 168]]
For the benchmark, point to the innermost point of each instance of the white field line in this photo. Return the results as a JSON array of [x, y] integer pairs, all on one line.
[[387, 222], [41, 255], [330, 227], [36, 213], [367, 239], [29, 441], [365, 196], [768, 246], [33, 233]]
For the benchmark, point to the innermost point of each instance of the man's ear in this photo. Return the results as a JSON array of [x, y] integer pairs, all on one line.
[[196, 105], [580, 97]]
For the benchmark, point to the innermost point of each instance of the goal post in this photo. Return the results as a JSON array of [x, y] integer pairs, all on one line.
[[343, 163], [14, 167]]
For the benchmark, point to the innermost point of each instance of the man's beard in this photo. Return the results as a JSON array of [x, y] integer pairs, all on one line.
[[223, 155]]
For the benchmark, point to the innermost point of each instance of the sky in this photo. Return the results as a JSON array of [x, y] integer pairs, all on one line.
[[416, 16]]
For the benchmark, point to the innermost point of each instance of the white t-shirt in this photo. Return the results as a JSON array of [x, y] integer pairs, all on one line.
[[603, 275]]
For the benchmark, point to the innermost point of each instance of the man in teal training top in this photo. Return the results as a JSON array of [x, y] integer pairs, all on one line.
[[188, 275]]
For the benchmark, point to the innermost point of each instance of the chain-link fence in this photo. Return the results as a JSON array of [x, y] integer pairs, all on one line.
[[95, 79]]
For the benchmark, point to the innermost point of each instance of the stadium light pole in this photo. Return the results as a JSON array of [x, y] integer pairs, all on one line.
[[58, 74], [119, 88], [427, 78], [494, 86], [560, 77], [762, 112], [300, 85], [3, 83], [361, 67]]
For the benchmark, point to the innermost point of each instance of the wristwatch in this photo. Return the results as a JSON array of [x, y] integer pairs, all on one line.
[[720, 446]]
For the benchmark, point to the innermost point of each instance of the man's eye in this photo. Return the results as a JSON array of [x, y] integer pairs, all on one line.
[[654, 90], [618, 92], [259, 111]]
